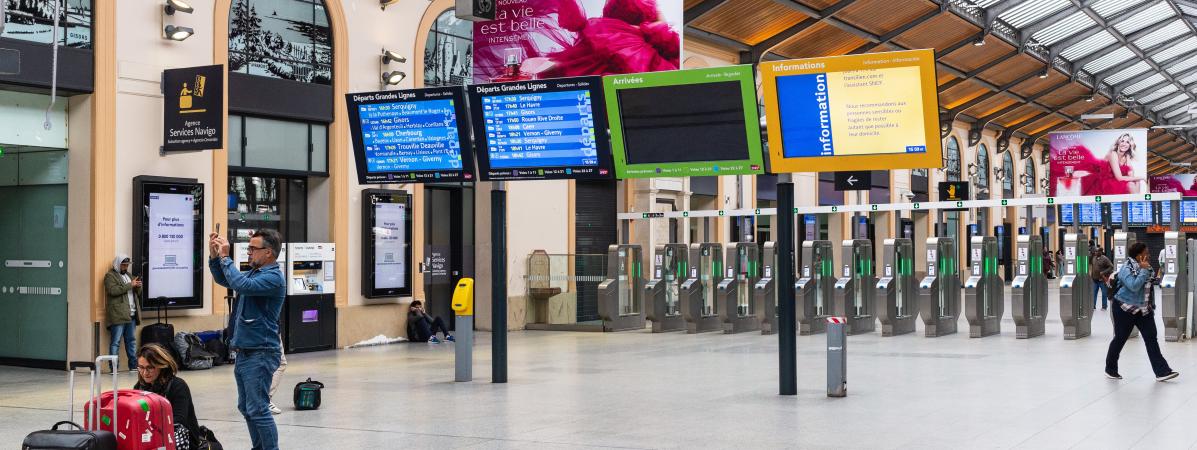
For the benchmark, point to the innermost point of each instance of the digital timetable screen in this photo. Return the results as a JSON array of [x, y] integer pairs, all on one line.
[[410, 136], [542, 129], [1140, 213]]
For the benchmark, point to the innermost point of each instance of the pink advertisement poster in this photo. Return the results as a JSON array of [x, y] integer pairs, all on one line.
[[1098, 162], [538, 39], [1186, 184]]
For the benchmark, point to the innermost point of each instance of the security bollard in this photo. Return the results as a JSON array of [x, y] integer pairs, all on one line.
[[837, 357], [463, 352]]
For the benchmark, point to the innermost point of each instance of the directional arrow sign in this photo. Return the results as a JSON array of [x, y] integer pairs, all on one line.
[[860, 180]]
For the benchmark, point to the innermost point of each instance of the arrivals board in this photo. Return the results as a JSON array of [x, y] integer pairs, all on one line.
[[875, 111], [541, 129], [412, 136]]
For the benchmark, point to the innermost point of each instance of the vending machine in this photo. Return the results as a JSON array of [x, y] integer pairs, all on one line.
[[310, 314]]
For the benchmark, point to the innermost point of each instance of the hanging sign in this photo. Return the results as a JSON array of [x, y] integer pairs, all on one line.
[[193, 108]]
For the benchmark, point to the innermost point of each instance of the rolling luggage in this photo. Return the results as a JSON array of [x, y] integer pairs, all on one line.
[[78, 438], [159, 333], [143, 420]]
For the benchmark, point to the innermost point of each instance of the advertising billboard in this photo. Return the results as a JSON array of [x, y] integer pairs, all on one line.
[[698, 122], [876, 111], [541, 39], [1185, 184], [412, 136], [1098, 162]]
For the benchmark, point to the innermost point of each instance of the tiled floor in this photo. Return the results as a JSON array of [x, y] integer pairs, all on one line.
[[638, 390]]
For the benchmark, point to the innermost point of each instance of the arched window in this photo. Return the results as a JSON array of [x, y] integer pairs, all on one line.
[[287, 39], [1007, 175], [449, 52], [982, 180], [1029, 176], [952, 159]]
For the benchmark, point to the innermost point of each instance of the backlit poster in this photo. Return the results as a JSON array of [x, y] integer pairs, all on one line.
[[1185, 184], [390, 246], [171, 245], [1098, 162]]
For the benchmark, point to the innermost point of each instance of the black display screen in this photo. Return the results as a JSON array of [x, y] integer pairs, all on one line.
[[684, 123]]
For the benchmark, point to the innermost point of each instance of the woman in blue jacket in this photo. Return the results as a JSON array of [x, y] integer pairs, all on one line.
[[1132, 310]]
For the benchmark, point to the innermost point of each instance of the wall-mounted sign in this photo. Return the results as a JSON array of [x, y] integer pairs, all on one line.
[[193, 108], [953, 191], [858, 180]]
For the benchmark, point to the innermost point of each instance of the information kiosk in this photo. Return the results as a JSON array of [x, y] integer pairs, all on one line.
[[813, 290], [984, 290], [1174, 287], [699, 308], [736, 308], [764, 293], [1076, 288], [1029, 288], [854, 295], [621, 295], [310, 311], [664, 291], [939, 292], [896, 291]]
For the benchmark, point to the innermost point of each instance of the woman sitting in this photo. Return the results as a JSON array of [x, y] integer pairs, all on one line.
[[156, 370]]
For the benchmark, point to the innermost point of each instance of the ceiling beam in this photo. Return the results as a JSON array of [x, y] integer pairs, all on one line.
[[700, 10], [729, 43], [825, 14], [989, 65]]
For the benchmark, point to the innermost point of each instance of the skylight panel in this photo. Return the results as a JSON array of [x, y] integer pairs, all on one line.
[[1127, 73], [1148, 17], [1187, 45], [1107, 8], [1158, 94], [1146, 83], [1171, 102], [1182, 66], [1029, 11], [1061, 30], [1088, 45], [1170, 31], [1109, 60]]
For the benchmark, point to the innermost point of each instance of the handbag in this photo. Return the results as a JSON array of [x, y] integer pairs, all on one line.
[[307, 394], [207, 440]]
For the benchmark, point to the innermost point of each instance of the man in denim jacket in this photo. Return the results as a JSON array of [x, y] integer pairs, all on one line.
[[1132, 310], [255, 326]]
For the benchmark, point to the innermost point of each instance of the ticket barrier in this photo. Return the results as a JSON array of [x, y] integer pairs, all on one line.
[[855, 290], [896, 290], [737, 311], [764, 292], [699, 307], [1029, 288], [621, 295], [939, 291], [984, 290], [665, 291], [814, 289], [1191, 245], [1076, 288], [1174, 287]]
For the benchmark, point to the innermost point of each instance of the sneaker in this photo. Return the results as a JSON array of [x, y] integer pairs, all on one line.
[[434, 340], [274, 410], [1168, 376], [1113, 376], [450, 338]]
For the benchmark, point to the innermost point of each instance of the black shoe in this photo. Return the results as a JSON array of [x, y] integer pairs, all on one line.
[[1113, 376], [1168, 376]]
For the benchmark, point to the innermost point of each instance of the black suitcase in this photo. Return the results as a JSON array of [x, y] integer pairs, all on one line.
[[77, 438], [161, 333]]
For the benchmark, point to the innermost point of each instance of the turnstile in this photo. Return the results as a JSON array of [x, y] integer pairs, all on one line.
[[1028, 297], [1076, 288], [813, 290], [939, 291], [764, 293], [665, 291], [621, 295], [1191, 274], [896, 290], [854, 291], [737, 311], [1174, 287], [699, 307], [984, 290]]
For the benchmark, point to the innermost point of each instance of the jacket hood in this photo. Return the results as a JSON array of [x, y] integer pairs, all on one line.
[[116, 262]]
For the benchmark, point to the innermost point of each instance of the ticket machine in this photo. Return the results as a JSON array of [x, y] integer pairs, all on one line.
[[984, 290], [813, 290], [310, 313], [764, 292], [939, 291], [896, 289], [854, 291], [1076, 288], [664, 291], [1174, 287], [621, 295], [1029, 288], [737, 311], [700, 308]]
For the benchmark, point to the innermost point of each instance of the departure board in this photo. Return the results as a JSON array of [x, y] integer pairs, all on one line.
[[542, 129], [1090, 214], [1140, 213], [1188, 211], [410, 136]]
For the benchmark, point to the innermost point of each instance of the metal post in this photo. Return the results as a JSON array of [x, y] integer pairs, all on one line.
[[1125, 219], [498, 282], [463, 349], [837, 357], [786, 314], [1175, 219]]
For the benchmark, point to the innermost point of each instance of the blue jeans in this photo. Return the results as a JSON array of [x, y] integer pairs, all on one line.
[[127, 331], [253, 371], [1099, 289]]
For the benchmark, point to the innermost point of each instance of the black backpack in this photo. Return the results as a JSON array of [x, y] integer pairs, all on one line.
[[307, 394]]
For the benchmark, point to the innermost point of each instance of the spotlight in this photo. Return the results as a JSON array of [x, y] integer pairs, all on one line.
[[386, 3], [177, 33], [1089, 98], [390, 56], [393, 78], [1046, 73], [979, 42], [177, 5]]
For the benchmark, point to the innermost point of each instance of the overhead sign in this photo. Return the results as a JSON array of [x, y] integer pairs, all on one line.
[[876, 111], [953, 191], [861, 180], [411, 136], [193, 108], [1098, 162]]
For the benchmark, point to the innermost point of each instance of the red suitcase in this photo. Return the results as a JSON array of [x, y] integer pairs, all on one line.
[[144, 420]]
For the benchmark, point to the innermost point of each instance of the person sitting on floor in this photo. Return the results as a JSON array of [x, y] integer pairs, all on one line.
[[156, 370], [422, 327]]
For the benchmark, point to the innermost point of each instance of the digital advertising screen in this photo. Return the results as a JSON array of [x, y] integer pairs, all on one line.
[[698, 122], [412, 136], [168, 231], [1098, 162], [386, 241], [1185, 184], [875, 111], [541, 130]]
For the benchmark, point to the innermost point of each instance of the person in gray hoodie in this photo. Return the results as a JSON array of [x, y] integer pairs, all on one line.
[[121, 310]]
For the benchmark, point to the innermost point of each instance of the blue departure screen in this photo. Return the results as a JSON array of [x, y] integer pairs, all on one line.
[[410, 136], [538, 130], [1066, 215], [1165, 209], [1188, 211], [1090, 214]]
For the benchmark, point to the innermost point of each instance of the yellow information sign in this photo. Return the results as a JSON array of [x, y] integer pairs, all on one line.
[[876, 111]]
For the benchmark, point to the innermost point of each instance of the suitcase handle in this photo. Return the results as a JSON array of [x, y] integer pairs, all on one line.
[[95, 416], [76, 365], [66, 422]]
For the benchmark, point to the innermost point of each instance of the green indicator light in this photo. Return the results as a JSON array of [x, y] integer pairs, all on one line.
[[1004, 202]]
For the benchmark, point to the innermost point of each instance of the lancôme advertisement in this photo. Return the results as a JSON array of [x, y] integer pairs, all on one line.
[[1098, 162]]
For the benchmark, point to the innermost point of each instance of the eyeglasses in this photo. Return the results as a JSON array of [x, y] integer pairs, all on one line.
[[255, 249], [146, 368]]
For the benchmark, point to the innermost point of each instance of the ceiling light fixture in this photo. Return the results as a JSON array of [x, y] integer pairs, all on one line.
[[979, 42], [1046, 73], [175, 33], [1089, 98]]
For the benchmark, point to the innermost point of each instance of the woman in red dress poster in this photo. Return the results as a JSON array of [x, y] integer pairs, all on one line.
[[1115, 174]]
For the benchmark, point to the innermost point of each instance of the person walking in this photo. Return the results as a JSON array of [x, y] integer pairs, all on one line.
[[1100, 270], [1133, 310], [260, 293], [121, 309]]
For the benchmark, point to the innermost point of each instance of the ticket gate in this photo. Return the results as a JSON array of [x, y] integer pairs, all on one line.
[[664, 291], [1174, 287], [1076, 288], [699, 307], [1029, 288], [984, 290], [814, 289], [764, 292], [621, 295], [939, 291], [737, 310], [1191, 245], [854, 291], [896, 290]]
